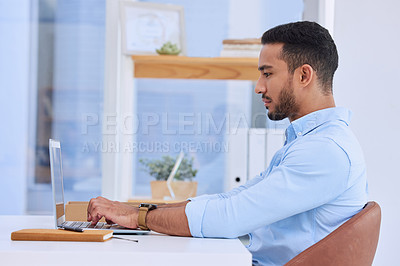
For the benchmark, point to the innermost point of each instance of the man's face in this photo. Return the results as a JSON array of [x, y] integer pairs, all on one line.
[[275, 84]]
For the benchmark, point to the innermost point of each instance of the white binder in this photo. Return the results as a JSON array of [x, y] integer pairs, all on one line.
[[237, 158], [257, 151], [250, 151]]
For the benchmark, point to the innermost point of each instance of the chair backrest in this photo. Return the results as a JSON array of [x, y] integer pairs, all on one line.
[[352, 243]]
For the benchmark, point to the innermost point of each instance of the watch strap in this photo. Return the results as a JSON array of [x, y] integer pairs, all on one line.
[[142, 218], [144, 208]]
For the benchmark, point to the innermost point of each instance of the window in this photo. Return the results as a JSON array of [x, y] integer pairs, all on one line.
[[68, 55], [188, 116]]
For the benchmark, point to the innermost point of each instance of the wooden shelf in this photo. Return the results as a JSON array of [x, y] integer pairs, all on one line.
[[182, 67]]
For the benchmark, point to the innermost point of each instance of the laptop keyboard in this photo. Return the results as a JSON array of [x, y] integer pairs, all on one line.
[[99, 225]]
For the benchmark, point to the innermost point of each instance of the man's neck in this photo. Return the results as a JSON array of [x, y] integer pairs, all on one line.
[[313, 104]]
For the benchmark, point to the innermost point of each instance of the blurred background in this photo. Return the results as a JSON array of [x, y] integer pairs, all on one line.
[[52, 78]]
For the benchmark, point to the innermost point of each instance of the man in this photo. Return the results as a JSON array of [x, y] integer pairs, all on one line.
[[314, 183]]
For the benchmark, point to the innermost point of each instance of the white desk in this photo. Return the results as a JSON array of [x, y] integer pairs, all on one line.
[[152, 249]]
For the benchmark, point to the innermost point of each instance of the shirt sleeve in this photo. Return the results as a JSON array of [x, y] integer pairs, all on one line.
[[306, 178], [231, 193]]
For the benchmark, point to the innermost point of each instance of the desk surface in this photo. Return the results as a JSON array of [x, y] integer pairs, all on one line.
[[152, 249]]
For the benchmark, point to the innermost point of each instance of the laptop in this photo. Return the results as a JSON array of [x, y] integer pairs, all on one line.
[[58, 197]]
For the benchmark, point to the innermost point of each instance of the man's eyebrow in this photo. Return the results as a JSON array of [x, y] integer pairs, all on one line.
[[263, 67]]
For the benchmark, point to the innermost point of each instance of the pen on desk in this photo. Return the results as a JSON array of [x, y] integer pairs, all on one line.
[[75, 229], [121, 238]]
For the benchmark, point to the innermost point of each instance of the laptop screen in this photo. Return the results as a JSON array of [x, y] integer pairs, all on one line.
[[57, 180]]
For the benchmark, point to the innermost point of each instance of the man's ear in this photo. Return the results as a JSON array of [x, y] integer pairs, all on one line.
[[305, 75]]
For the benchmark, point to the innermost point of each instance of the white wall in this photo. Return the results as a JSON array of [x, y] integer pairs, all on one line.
[[367, 81]]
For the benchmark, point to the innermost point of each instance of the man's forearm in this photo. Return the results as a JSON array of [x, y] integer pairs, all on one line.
[[169, 220], [172, 205]]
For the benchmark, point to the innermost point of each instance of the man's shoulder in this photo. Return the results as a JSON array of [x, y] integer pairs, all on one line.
[[315, 151], [335, 138]]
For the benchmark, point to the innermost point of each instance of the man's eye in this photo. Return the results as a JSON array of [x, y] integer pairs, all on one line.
[[267, 74]]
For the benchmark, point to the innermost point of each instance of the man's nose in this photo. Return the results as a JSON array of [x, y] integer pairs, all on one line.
[[259, 89]]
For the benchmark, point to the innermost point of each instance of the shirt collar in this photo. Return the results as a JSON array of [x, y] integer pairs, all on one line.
[[307, 123]]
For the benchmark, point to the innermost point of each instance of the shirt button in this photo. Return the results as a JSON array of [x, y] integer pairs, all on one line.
[[298, 133]]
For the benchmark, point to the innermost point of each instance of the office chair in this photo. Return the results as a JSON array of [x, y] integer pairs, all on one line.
[[352, 243]]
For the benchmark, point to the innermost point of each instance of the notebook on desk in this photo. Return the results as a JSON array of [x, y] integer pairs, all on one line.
[[58, 198]]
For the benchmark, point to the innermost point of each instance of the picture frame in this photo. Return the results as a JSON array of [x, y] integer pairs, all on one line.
[[145, 27]]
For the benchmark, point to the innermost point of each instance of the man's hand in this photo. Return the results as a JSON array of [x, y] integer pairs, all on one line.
[[113, 212], [168, 219]]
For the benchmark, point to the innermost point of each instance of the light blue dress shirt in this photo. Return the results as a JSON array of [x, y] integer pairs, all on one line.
[[313, 184]]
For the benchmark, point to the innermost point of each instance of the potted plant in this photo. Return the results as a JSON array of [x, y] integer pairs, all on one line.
[[182, 184], [168, 48]]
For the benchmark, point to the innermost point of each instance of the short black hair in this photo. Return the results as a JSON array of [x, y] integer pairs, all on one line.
[[306, 42]]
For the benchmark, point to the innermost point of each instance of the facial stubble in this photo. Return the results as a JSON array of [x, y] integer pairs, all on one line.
[[286, 105]]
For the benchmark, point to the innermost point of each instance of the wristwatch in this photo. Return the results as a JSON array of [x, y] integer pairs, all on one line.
[[144, 208]]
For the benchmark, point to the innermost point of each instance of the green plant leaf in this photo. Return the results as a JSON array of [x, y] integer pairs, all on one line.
[[160, 169]]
